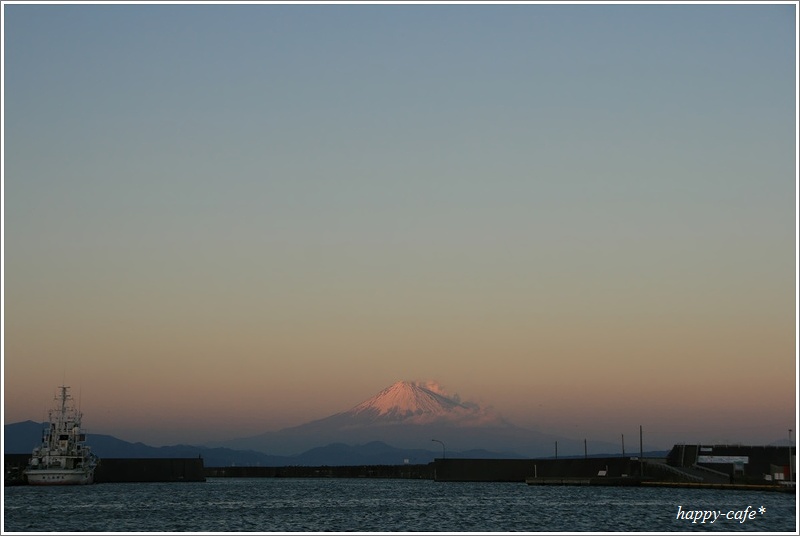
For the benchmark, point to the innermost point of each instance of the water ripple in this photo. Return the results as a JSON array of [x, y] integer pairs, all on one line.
[[353, 505]]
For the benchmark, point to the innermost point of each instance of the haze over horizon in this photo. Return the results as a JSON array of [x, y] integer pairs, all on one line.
[[221, 220]]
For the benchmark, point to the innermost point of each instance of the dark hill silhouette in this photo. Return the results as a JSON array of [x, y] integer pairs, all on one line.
[[22, 437]]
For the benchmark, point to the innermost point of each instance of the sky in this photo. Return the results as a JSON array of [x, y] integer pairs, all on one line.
[[221, 220]]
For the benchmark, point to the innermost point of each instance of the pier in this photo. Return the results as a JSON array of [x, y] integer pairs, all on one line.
[[121, 470], [545, 471], [729, 467], [710, 485]]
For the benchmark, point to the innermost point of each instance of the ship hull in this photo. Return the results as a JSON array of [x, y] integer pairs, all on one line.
[[59, 477]]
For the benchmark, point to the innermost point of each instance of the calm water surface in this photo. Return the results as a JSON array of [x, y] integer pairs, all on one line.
[[293, 505]]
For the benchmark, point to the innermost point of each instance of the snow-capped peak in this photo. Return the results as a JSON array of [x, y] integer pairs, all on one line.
[[419, 403]]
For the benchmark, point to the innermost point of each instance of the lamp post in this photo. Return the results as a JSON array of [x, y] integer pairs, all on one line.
[[641, 453], [791, 458], [442, 444]]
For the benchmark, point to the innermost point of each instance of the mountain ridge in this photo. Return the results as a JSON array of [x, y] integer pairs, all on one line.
[[21, 437], [409, 414], [414, 402]]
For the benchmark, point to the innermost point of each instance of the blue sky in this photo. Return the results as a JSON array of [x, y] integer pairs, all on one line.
[[287, 200]]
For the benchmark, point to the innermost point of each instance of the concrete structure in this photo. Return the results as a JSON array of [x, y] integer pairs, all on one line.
[[691, 465], [122, 470], [737, 463], [546, 470], [150, 470], [340, 471]]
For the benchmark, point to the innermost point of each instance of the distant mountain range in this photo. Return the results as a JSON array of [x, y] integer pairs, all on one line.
[[409, 415], [405, 423], [22, 437]]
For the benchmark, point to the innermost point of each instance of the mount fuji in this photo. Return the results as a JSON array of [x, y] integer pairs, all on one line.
[[416, 403], [409, 415]]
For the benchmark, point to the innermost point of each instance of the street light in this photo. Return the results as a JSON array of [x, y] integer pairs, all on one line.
[[443, 453], [791, 458]]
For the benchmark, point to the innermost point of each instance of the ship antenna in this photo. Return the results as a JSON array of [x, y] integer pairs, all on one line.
[[63, 404]]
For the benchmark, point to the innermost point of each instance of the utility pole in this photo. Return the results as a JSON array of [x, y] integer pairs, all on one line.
[[623, 445], [791, 458], [441, 443], [585, 451], [641, 453], [556, 450]]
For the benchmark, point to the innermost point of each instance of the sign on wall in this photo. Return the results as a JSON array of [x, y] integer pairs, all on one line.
[[723, 459]]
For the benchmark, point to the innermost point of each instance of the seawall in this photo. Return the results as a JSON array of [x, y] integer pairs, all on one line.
[[518, 470], [122, 470], [336, 471], [442, 470], [150, 470]]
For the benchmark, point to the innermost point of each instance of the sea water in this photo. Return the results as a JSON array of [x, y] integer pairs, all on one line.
[[387, 505]]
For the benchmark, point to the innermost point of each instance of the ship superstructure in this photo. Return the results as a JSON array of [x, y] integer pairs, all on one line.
[[63, 458]]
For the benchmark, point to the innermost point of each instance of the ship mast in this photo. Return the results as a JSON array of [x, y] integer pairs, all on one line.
[[63, 409], [63, 405]]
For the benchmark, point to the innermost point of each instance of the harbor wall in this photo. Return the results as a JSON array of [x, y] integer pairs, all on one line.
[[14, 464], [122, 469], [517, 470], [761, 461], [149, 470], [683, 463], [416, 471]]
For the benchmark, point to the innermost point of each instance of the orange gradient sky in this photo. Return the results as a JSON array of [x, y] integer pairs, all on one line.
[[223, 220]]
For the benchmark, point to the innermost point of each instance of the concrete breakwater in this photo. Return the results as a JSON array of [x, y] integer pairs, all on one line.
[[616, 471], [450, 470], [150, 470], [546, 470], [733, 468], [442, 470], [334, 471], [121, 470], [193, 470]]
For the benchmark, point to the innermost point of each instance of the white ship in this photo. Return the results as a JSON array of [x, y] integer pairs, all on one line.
[[63, 458]]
